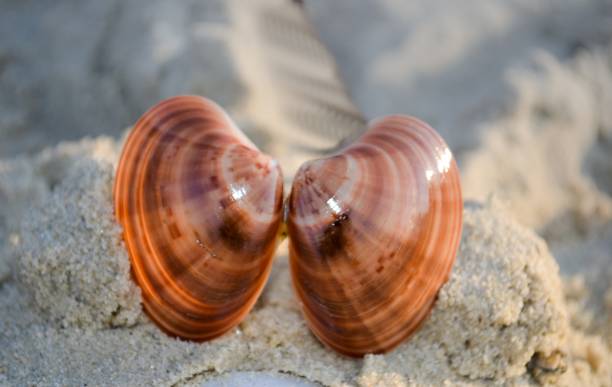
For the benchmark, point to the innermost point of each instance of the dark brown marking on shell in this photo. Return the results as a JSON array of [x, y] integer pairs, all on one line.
[[334, 239], [232, 234]]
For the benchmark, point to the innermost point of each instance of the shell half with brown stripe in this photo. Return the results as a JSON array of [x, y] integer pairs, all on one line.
[[373, 234], [201, 209]]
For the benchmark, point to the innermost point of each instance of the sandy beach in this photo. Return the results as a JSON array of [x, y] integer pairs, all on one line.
[[521, 91]]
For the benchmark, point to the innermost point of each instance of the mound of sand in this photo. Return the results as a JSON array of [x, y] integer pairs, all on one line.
[[72, 313]]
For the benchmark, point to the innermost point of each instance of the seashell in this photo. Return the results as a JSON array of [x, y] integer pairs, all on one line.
[[373, 234], [201, 209]]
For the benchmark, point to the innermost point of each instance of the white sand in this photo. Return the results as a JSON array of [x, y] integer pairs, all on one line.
[[84, 198], [71, 314], [521, 91]]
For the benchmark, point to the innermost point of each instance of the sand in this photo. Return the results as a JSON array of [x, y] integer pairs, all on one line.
[[520, 90], [501, 316]]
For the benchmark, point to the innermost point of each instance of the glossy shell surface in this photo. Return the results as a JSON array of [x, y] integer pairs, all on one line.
[[200, 207], [374, 231]]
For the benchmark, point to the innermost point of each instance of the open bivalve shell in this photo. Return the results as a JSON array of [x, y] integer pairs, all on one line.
[[373, 229]]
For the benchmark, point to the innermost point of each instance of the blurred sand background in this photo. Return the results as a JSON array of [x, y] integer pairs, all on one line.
[[521, 90]]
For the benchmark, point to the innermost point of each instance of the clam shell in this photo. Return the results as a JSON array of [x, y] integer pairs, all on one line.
[[373, 235], [200, 207]]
